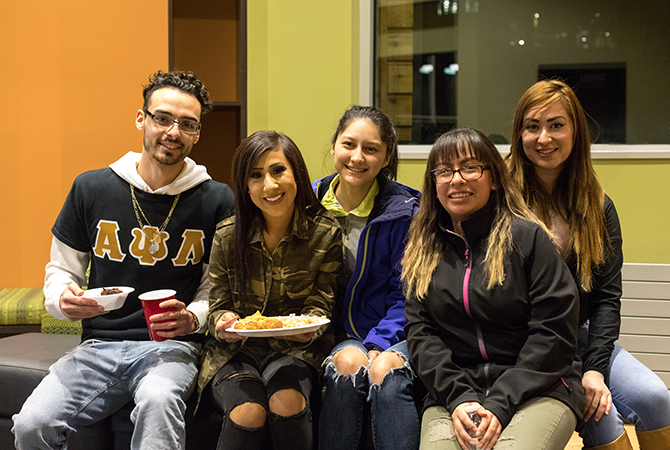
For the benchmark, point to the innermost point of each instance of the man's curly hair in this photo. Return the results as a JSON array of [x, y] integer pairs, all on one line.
[[182, 81]]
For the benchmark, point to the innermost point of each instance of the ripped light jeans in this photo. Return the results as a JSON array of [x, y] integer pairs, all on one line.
[[97, 378], [395, 421]]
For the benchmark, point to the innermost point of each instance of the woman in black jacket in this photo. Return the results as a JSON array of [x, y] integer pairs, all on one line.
[[550, 161], [491, 307]]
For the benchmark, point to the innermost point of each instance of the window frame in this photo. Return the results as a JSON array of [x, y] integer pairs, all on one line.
[[366, 97]]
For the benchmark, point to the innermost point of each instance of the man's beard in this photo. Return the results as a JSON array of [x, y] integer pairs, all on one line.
[[164, 157]]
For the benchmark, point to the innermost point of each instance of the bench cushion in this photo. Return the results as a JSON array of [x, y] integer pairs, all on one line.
[[24, 360], [21, 306], [51, 325]]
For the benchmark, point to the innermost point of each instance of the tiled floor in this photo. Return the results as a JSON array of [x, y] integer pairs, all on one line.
[[576, 443]]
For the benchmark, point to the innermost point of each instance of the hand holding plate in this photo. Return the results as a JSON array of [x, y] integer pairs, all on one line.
[[223, 328]]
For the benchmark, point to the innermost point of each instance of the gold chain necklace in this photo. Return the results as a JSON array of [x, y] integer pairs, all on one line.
[[153, 248]]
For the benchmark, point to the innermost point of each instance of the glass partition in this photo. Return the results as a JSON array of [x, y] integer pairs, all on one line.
[[447, 63]]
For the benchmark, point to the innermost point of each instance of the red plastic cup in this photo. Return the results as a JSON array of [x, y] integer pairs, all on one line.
[[150, 304]]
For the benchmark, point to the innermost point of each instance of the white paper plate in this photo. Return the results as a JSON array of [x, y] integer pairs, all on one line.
[[110, 302], [278, 332]]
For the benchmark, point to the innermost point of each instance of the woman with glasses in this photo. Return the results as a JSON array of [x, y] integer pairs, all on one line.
[[280, 255], [370, 362], [550, 161], [491, 308]]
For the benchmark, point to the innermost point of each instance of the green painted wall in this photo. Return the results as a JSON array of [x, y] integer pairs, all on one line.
[[303, 73], [640, 190]]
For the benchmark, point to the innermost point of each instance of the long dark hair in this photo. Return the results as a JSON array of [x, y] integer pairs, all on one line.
[[247, 215], [386, 131]]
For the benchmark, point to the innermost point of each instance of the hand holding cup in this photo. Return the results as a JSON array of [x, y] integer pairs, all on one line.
[[166, 317], [177, 321]]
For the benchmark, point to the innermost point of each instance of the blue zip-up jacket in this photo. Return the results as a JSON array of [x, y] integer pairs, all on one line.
[[372, 308]]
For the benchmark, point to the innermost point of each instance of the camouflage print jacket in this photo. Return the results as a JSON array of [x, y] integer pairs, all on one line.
[[312, 257]]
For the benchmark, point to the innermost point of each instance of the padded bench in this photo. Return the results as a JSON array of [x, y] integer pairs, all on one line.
[[22, 311], [30, 341], [24, 361]]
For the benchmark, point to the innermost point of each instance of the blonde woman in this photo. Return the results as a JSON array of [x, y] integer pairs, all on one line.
[[491, 307], [550, 161]]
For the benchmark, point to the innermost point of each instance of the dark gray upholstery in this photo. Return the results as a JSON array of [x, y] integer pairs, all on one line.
[[24, 361]]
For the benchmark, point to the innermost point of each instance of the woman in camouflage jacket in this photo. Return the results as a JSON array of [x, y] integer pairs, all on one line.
[[280, 254]]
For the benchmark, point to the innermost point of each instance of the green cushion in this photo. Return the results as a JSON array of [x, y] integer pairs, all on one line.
[[25, 306], [52, 325], [21, 306]]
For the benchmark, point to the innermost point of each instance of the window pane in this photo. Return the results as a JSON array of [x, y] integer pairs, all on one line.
[[442, 64]]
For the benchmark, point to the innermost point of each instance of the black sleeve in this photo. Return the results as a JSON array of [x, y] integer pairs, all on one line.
[[604, 299]]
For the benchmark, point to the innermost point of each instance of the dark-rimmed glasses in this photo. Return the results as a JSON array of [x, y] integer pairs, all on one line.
[[469, 172], [163, 121]]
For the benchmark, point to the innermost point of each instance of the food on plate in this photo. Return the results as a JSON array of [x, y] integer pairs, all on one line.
[[257, 321], [292, 320], [111, 291]]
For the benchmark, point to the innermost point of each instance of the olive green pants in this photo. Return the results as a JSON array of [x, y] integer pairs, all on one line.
[[540, 424]]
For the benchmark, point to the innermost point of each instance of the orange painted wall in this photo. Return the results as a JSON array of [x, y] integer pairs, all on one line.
[[71, 75]]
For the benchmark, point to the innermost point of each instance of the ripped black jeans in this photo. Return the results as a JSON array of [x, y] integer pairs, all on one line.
[[253, 375]]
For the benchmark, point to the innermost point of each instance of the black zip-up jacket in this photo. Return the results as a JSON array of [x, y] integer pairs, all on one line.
[[499, 347]]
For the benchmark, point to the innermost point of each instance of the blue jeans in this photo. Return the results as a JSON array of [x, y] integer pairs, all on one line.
[[97, 378], [639, 397], [395, 421]]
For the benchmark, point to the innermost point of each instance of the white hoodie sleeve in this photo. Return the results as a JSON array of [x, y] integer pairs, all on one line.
[[66, 266], [200, 304]]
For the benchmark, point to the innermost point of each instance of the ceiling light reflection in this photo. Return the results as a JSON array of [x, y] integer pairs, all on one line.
[[426, 69], [451, 70]]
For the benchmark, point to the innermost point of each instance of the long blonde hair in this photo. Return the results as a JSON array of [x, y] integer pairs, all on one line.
[[577, 194], [427, 240]]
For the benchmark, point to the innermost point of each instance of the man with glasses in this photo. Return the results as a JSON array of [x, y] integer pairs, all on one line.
[[147, 222]]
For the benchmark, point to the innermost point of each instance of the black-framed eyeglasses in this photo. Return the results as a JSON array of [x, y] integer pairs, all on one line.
[[164, 121], [469, 172]]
